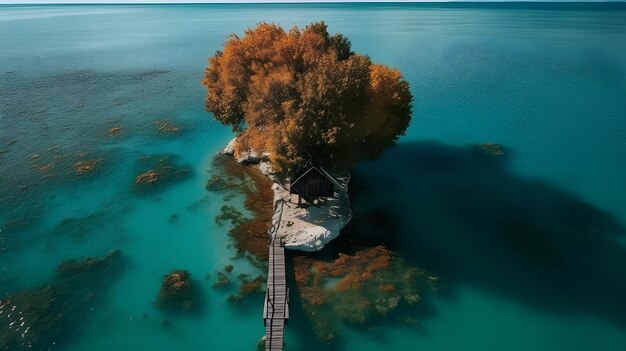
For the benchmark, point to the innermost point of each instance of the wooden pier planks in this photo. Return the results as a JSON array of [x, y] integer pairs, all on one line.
[[276, 306]]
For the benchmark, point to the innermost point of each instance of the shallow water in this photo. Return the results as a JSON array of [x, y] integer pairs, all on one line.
[[529, 248]]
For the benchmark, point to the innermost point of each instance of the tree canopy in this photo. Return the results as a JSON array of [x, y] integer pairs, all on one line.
[[304, 97]]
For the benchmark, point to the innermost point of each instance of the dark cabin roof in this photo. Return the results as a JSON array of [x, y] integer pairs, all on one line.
[[313, 183]]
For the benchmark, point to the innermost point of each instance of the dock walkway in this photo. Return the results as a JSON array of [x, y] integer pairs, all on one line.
[[276, 306]]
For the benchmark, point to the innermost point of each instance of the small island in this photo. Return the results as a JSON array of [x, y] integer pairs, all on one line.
[[306, 109], [299, 99]]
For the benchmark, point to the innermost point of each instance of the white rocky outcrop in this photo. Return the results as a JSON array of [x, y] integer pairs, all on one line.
[[247, 158], [306, 228], [230, 148], [310, 227]]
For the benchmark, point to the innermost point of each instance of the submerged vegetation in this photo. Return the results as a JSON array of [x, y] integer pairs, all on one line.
[[249, 234], [365, 287], [177, 292], [247, 287], [230, 214], [87, 166], [39, 318], [357, 288], [302, 95], [159, 171], [491, 149], [167, 127]]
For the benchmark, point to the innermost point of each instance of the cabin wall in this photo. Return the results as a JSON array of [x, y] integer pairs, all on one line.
[[313, 184]]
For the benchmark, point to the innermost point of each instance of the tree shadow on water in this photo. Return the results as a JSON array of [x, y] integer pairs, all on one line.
[[464, 216]]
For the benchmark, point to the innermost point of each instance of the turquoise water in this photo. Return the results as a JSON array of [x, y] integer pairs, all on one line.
[[547, 82]]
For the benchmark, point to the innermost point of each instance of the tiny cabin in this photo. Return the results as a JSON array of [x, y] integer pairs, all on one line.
[[312, 184]]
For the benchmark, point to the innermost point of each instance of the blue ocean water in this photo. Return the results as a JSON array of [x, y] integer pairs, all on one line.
[[546, 81]]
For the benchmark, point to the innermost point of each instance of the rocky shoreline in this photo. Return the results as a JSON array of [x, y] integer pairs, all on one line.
[[307, 228]]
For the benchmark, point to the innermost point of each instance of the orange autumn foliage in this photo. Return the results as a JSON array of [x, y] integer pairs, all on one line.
[[302, 95]]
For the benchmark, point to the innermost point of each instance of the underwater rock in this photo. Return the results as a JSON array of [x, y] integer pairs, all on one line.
[[39, 318], [356, 288], [159, 171], [61, 165], [177, 292], [148, 177], [222, 280], [167, 127], [491, 149], [228, 268], [84, 167]]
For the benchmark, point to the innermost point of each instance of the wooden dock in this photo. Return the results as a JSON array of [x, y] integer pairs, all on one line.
[[276, 306]]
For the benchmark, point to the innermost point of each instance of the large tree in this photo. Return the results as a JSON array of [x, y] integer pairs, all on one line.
[[305, 98]]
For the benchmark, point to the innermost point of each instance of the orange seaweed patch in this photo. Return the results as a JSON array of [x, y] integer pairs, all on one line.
[[251, 287], [372, 282], [358, 268], [351, 281], [250, 235], [302, 271], [307, 281]]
